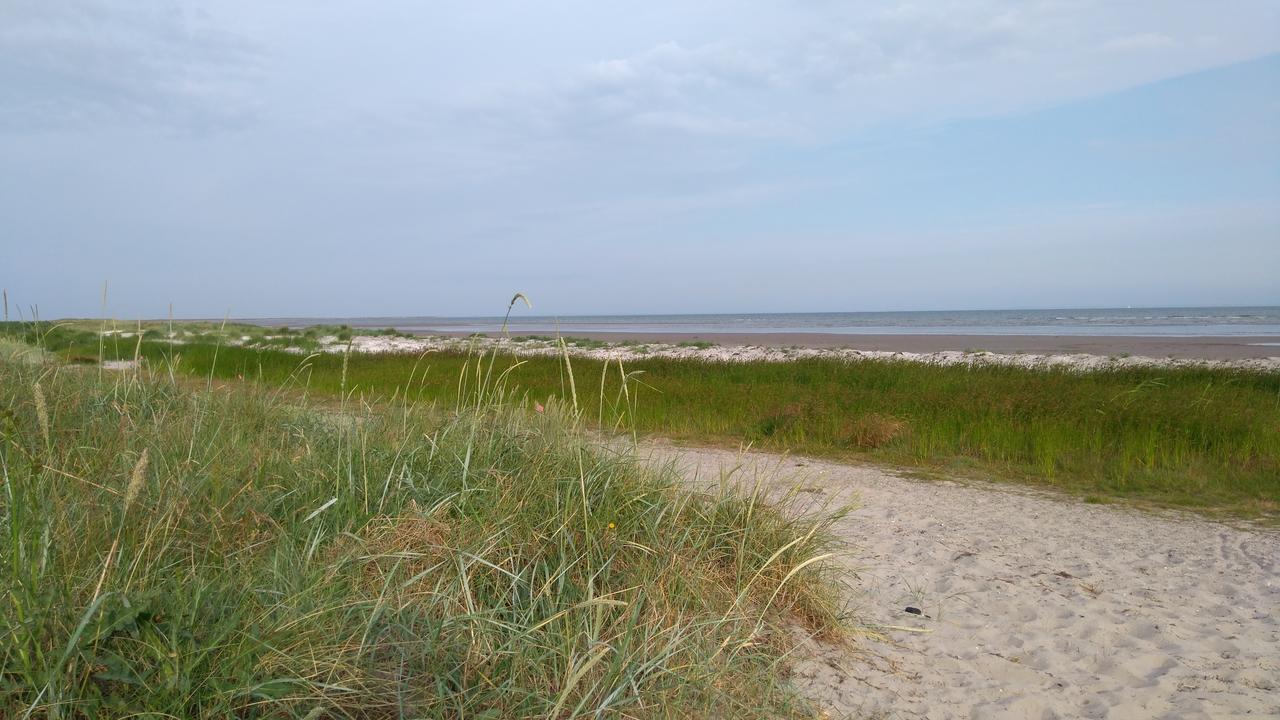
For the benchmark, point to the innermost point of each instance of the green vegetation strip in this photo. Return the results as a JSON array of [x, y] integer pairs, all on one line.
[[1188, 437], [236, 552]]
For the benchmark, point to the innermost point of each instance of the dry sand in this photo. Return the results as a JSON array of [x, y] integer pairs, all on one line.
[[1226, 347], [1036, 606], [749, 353]]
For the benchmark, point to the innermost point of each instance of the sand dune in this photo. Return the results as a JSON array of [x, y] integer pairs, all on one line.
[[1035, 606]]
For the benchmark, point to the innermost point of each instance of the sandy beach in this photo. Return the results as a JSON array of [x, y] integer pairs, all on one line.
[[1203, 348], [1076, 354], [1032, 605]]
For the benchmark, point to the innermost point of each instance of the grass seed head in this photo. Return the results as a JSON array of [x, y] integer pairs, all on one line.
[[42, 411], [136, 479]]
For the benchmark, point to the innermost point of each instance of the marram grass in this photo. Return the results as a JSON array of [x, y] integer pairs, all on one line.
[[171, 552]]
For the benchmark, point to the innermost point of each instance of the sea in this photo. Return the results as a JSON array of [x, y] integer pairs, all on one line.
[[1152, 322]]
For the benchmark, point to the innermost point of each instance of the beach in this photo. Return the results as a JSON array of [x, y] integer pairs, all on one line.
[[1031, 605], [1028, 538], [1234, 347], [1188, 333], [1030, 352], [773, 361]]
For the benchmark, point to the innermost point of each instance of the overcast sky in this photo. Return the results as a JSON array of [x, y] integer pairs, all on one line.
[[290, 158]]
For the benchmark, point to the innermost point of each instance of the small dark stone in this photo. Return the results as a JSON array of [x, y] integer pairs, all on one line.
[[914, 610]]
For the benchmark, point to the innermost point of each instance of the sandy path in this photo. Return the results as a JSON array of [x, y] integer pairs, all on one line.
[[1039, 606]]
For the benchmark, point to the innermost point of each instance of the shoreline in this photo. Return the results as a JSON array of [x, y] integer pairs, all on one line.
[[1077, 352], [708, 350], [1222, 347]]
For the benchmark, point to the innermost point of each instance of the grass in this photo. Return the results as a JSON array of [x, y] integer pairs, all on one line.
[[582, 343], [96, 335], [175, 549], [1187, 437]]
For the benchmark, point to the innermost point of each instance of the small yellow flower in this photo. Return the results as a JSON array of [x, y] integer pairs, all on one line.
[[612, 526]]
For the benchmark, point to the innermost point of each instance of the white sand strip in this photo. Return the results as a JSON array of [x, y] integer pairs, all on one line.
[[1039, 606], [753, 353]]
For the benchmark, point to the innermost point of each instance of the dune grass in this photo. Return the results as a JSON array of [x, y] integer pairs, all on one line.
[[89, 338], [238, 551]]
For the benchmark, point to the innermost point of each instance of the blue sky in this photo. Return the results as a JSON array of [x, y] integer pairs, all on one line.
[[404, 158]]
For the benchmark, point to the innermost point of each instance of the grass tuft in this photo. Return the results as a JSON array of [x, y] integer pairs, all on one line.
[[874, 430]]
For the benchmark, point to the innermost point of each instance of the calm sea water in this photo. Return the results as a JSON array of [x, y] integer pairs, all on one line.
[[1187, 322]]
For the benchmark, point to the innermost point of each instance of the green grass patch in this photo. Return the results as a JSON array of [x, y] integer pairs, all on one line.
[[240, 552]]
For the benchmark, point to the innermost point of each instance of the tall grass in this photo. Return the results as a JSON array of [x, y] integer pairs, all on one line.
[[1191, 437], [241, 552]]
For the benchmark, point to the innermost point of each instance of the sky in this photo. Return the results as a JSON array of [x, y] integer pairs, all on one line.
[[268, 158]]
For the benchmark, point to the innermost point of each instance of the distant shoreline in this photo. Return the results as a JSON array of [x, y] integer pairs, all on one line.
[[1229, 347], [1181, 333], [1222, 348]]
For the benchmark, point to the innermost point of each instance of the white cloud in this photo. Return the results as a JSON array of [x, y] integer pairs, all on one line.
[[71, 64], [824, 70], [723, 69], [1139, 42]]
